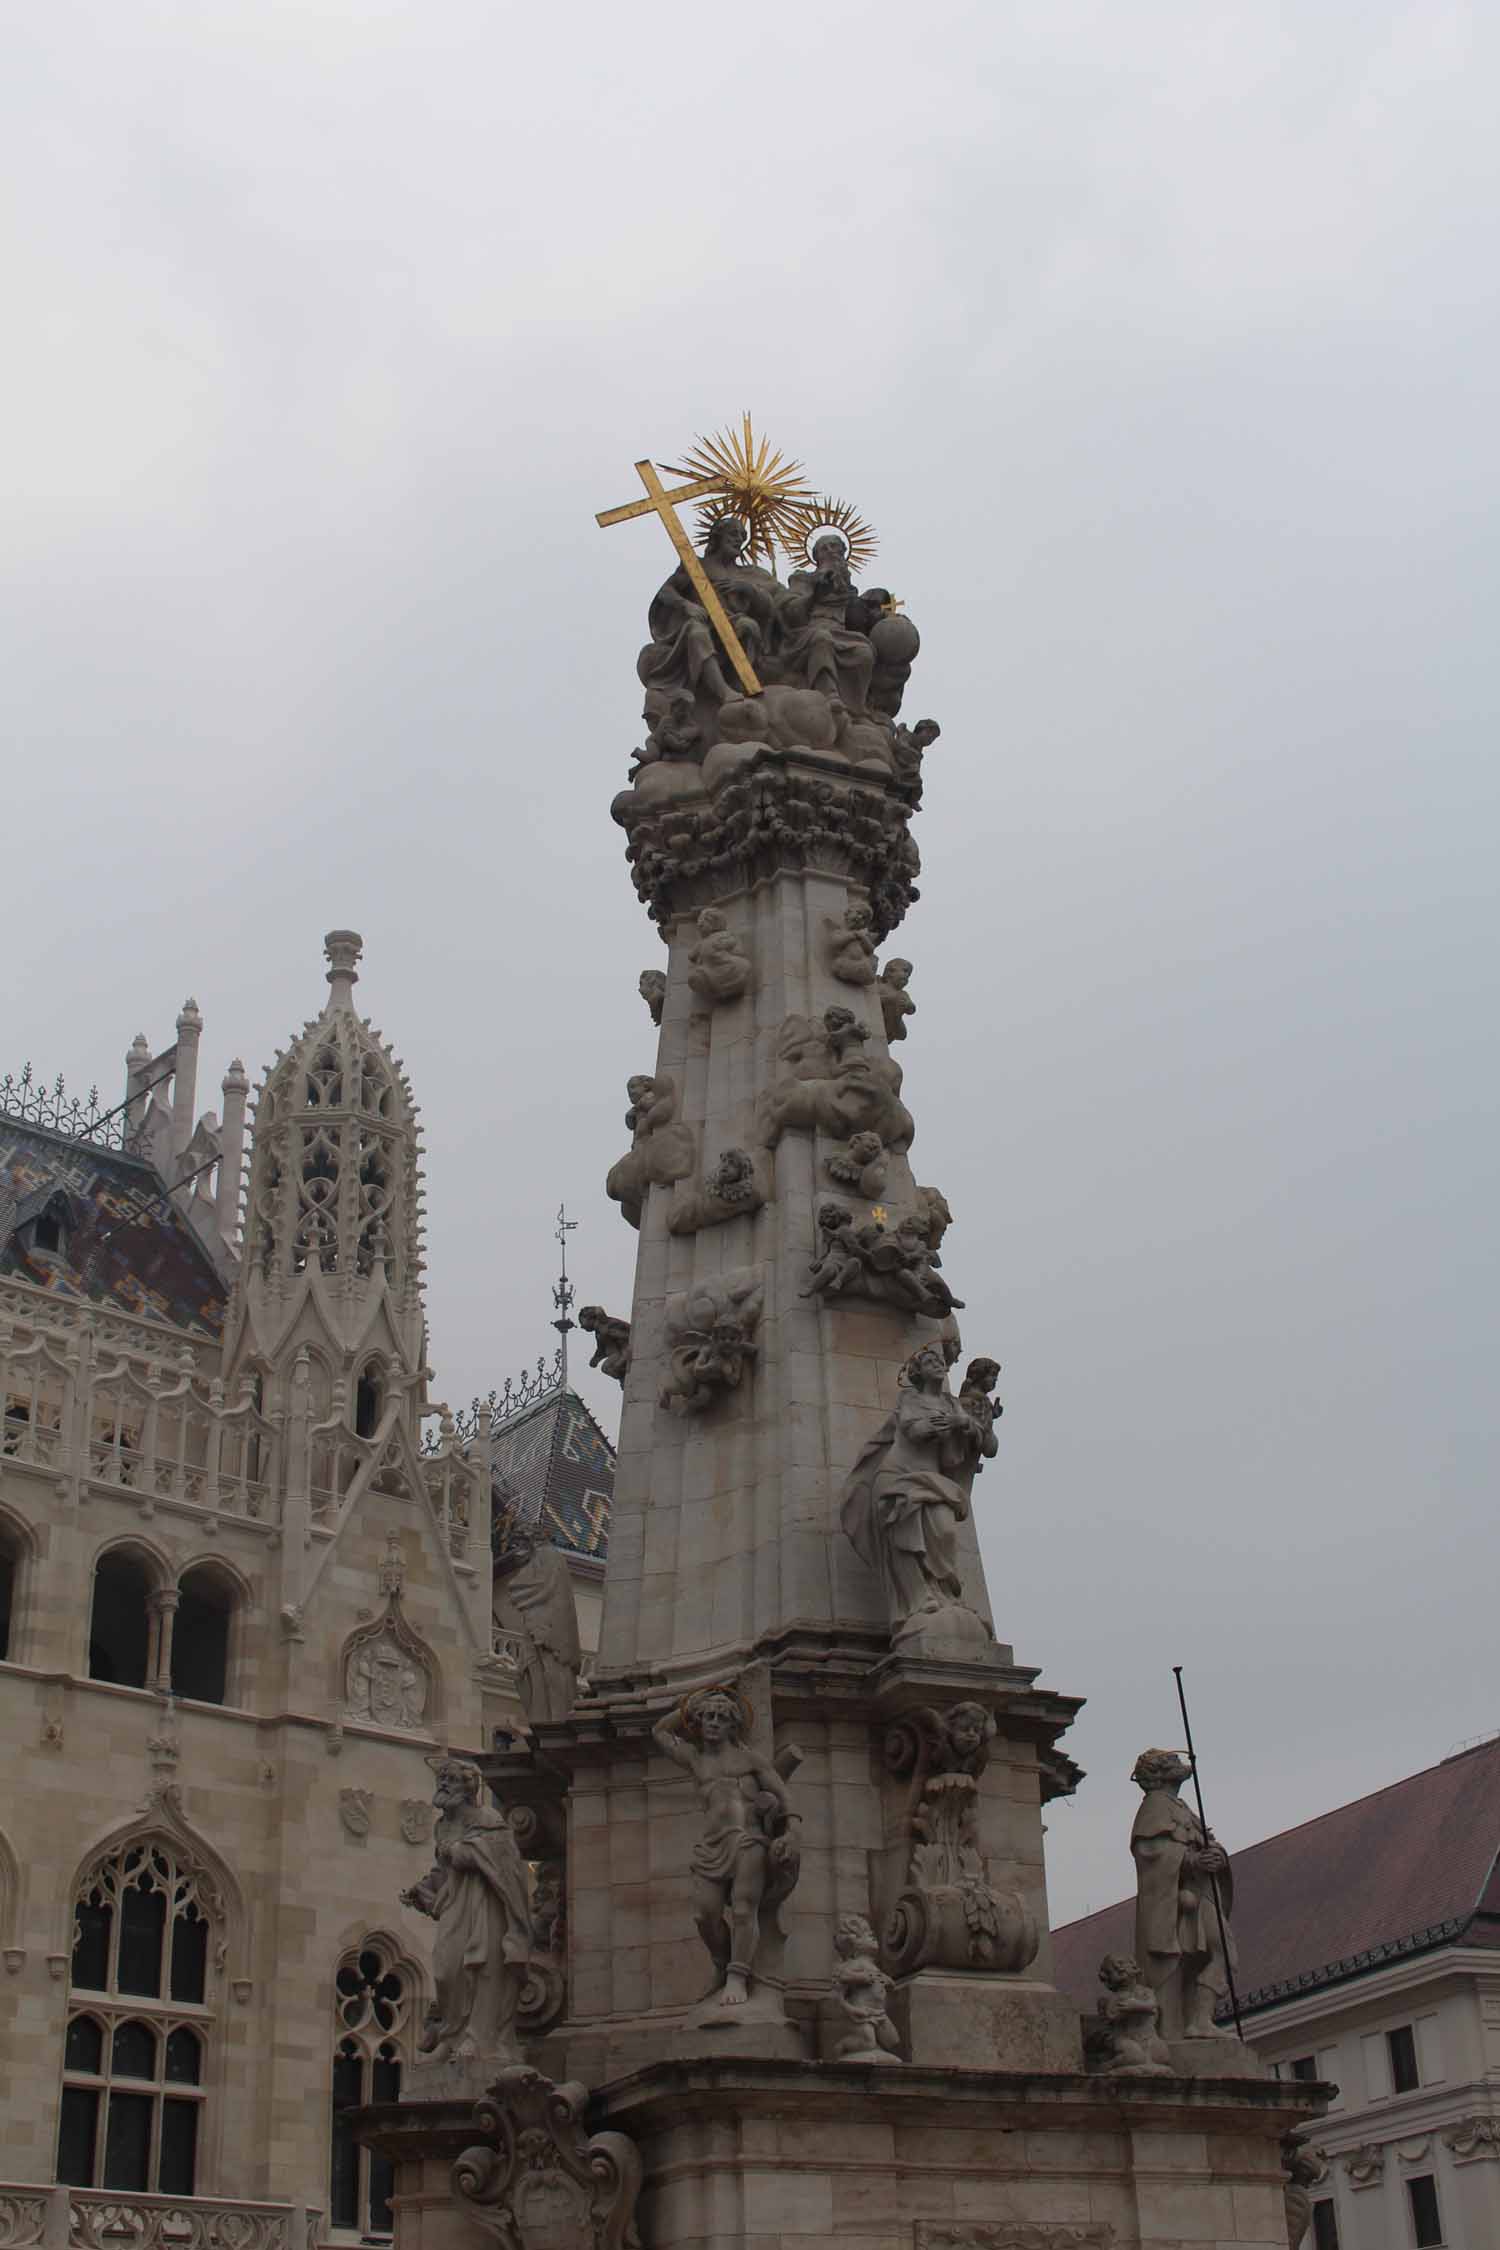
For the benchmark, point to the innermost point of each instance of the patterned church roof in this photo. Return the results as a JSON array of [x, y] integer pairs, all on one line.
[[554, 1466], [125, 1245]]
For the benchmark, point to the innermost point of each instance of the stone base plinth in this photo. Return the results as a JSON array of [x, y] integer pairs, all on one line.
[[1219, 2056], [785, 2155], [614, 2050], [790, 2156], [960, 2020], [456, 2080]]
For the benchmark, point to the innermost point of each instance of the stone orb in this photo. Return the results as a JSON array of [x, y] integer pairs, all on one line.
[[895, 640]]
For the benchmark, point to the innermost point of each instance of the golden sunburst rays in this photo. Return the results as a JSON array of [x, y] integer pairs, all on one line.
[[759, 485], [810, 518]]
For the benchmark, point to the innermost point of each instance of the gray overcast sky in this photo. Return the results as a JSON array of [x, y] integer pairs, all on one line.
[[1159, 342]]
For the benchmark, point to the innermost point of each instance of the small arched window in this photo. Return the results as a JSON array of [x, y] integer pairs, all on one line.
[[372, 2003], [138, 2025], [202, 1632], [122, 1621]]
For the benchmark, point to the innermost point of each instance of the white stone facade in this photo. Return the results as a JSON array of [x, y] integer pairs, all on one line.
[[1437, 2017]]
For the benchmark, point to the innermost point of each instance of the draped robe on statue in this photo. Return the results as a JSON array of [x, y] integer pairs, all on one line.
[[901, 1514], [483, 1915], [1177, 1939]]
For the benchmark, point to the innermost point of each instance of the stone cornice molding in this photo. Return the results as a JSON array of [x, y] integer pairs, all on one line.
[[1446, 1964]]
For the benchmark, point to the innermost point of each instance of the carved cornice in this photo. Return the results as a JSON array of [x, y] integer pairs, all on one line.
[[777, 812]]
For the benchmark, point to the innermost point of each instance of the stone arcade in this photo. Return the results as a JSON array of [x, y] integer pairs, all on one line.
[[806, 1740]]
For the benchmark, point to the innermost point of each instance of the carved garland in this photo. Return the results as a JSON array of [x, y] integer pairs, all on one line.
[[688, 855]]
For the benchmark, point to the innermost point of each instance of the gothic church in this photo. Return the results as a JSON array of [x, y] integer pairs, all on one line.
[[244, 1601]]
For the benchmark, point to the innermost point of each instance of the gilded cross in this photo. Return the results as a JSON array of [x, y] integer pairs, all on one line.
[[879, 1213], [660, 502]]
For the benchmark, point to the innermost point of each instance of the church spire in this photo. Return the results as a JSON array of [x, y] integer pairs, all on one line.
[[333, 1254]]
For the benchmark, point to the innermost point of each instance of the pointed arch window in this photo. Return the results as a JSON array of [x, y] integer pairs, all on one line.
[[139, 2024], [12, 1558], [372, 2008]]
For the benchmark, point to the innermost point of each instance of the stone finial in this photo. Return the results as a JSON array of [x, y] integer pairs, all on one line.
[[343, 948], [236, 1079], [189, 1018]]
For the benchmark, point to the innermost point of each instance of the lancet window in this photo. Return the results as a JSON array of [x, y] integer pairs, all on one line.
[[139, 2024], [372, 2006], [12, 1555]]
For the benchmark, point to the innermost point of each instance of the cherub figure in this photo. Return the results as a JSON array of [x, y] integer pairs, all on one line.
[[860, 1986], [975, 1395], [860, 1164], [1127, 2043], [839, 1264], [848, 945], [896, 1003], [732, 1179], [719, 966], [700, 1371], [909, 744], [745, 1861], [611, 1340], [846, 1037]]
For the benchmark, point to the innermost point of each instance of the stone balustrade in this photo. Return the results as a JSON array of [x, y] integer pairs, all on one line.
[[134, 1415], [38, 2217]]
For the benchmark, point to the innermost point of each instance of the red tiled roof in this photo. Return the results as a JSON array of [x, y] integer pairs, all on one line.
[[1410, 1867]]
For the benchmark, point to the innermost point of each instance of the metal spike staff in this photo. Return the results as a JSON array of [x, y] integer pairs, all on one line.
[[1213, 1881], [563, 1294]]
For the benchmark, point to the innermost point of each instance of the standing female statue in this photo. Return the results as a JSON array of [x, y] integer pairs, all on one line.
[[904, 1502]]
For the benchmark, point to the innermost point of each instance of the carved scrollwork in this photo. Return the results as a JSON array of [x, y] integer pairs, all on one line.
[[538, 2181], [23, 2220], [950, 1915]]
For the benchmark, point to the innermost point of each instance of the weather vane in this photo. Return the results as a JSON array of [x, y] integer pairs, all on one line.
[[563, 1293], [736, 474]]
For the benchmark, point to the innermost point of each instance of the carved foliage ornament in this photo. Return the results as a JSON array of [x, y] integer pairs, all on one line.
[[1474, 2140], [1365, 2165], [538, 2181]]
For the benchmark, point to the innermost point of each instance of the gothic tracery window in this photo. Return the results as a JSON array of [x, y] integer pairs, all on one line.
[[371, 2012], [139, 2024]]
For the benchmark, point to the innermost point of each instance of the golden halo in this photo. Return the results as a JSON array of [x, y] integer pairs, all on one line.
[[812, 518], [754, 482]]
